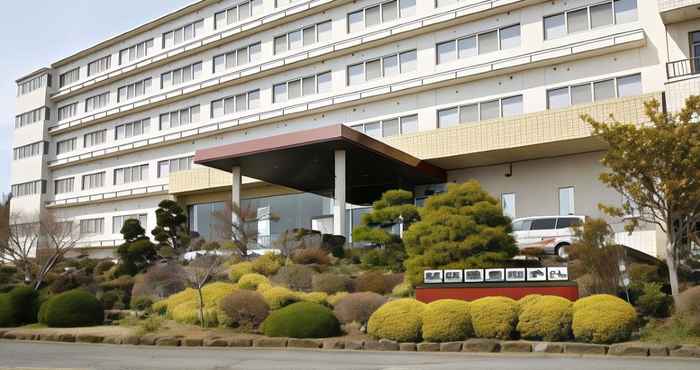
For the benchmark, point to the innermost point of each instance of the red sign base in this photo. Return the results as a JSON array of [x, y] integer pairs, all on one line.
[[468, 292]]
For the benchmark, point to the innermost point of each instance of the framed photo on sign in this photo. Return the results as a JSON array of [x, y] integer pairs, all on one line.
[[494, 275], [432, 276], [473, 275], [515, 274], [453, 276], [557, 273], [536, 274]]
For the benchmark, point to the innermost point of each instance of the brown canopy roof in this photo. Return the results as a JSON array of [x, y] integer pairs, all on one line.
[[304, 160]]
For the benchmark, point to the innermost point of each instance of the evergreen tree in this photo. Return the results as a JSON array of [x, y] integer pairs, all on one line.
[[171, 230], [137, 252]]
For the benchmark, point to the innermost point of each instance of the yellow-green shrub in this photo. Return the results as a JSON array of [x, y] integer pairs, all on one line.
[[166, 306], [184, 306], [251, 281], [402, 290], [524, 301], [603, 318], [494, 317], [315, 297], [446, 320], [188, 313], [278, 297], [262, 287], [335, 298], [398, 320], [239, 269], [267, 264], [546, 318]]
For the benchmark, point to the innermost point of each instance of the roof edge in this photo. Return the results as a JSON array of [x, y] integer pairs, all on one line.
[[35, 73]]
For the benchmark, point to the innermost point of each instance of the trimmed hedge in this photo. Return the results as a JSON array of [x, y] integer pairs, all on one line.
[[603, 318], [403, 290], [446, 320], [18, 306], [184, 306], [331, 283], [74, 308], [7, 311], [546, 318], [302, 320], [494, 317], [398, 320], [524, 301], [267, 264], [251, 281]]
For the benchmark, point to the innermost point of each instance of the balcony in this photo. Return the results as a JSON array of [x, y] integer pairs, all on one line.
[[683, 68], [111, 196], [674, 11], [684, 80]]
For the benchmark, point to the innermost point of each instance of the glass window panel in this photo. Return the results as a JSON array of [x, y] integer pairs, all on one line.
[[490, 110], [231, 59], [254, 51], [372, 16], [408, 61], [295, 41], [512, 106], [294, 89], [391, 65], [566, 201], [194, 113], [219, 63], [373, 70], [577, 20], [242, 56], [219, 20], [389, 11], [558, 98], [407, 8], [469, 113], [187, 74], [601, 15], [217, 108], [241, 102], [625, 11], [356, 74], [254, 99], [280, 93], [324, 82], [324, 31], [308, 85], [448, 117], [510, 37], [554, 27], [229, 105], [244, 11], [309, 36], [373, 129], [629, 86], [604, 90], [488, 42], [508, 204], [581, 94], [390, 127], [467, 47], [409, 124], [280, 44], [446, 52], [355, 21]]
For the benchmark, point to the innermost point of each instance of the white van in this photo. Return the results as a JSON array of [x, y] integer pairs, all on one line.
[[551, 233]]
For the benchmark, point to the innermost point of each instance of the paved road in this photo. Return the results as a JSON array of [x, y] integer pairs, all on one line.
[[37, 355]]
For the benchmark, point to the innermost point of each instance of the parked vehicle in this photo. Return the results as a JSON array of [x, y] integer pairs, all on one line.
[[554, 234]]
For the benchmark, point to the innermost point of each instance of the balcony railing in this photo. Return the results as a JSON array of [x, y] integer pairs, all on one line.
[[112, 195], [681, 68], [99, 243]]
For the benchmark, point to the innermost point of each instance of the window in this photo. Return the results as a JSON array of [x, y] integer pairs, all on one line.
[[63, 186], [240, 12], [441, 3], [566, 222], [482, 43], [563, 97], [695, 50], [566, 201], [29, 188], [303, 37], [305, 86], [543, 224], [35, 83], [92, 226], [590, 17], [183, 34], [508, 204], [174, 165], [99, 66], [34, 116], [69, 77], [389, 127], [65, 146], [128, 175], [132, 129], [67, 111], [504, 107], [135, 52], [134, 90], [181, 75], [239, 57], [386, 66], [93, 181], [31, 150], [377, 14], [94, 138], [96, 102], [179, 117], [118, 221], [522, 225], [237, 103]]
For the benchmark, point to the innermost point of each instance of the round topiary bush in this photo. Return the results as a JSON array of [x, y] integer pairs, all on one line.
[[7, 311], [446, 320], [398, 320], [330, 283], [494, 317], [268, 264], [546, 318], [358, 307], [74, 308], [278, 297], [251, 281], [371, 281], [402, 290], [236, 271], [24, 301], [524, 301], [243, 309], [302, 320], [603, 318]]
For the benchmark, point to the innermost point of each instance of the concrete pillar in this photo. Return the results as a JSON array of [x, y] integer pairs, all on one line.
[[339, 215], [236, 194]]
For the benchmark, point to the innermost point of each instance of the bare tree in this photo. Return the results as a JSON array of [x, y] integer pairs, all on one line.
[[236, 227], [205, 264]]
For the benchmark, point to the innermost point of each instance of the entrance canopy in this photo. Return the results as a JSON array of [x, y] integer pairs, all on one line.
[[305, 160]]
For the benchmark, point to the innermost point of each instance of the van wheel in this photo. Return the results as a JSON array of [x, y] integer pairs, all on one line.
[[562, 250]]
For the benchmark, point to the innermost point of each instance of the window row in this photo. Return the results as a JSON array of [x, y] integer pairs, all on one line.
[[183, 34], [94, 138], [478, 44], [31, 150], [96, 102], [565, 197], [181, 75], [240, 12], [238, 57], [303, 37], [132, 129], [588, 92], [381, 13], [63, 186], [69, 77], [179, 117], [118, 221], [129, 175], [67, 111], [590, 17], [92, 226], [237, 103], [504, 107], [135, 52], [29, 188], [133, 90], [34, 116], [95, 226], [99, 65], [169, 166], [387, 66], [389, 127], [315, 84], [33, 84]]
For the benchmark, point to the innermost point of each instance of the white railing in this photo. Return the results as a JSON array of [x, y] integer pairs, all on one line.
[[112, 195], [398, 87]]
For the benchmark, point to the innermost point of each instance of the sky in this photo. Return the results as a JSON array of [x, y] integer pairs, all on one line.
[[35, 33]]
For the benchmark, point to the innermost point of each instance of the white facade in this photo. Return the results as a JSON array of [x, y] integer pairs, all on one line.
[[107, 128]]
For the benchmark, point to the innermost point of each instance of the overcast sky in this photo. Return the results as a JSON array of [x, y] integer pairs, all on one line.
[[35, 33]]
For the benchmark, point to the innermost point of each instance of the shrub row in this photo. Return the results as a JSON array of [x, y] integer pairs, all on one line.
[[74, 308]]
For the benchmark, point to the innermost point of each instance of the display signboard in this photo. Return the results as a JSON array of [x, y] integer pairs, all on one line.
[[496, 275]]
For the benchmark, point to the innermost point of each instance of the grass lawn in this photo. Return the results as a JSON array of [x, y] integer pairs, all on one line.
[[668, 331]]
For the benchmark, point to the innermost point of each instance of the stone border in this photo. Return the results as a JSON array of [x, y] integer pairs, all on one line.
[[468, 346]]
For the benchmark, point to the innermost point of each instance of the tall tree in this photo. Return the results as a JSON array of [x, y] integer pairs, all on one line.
[[137, 252], [171, 230], [657, 167], [461, 228]]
